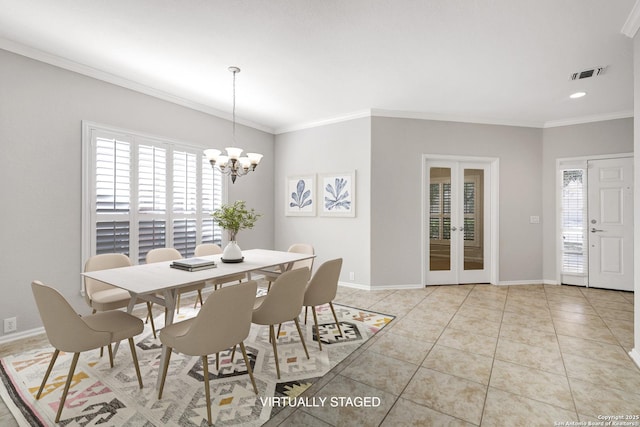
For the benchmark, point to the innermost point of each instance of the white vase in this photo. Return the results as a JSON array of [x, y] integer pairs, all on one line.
[[232, 251]]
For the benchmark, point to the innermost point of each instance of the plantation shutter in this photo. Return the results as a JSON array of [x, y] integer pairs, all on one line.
[[112, 195], [573, 218], [142, 192]]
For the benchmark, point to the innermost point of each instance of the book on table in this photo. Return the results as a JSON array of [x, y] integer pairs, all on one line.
[[193, 264]]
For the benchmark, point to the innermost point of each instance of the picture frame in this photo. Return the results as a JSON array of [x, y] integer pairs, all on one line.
[[337, 194], [300, 196]]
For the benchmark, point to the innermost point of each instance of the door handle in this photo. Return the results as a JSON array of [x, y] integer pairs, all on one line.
[[594, 230], [454, 228]]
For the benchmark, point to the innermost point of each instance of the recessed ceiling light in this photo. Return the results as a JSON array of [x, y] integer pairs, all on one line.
[[577, 95]]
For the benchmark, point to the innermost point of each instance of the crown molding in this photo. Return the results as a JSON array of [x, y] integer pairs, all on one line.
[[632, 24], [324, 122], [589, 119], [89, 71], [453, 118]]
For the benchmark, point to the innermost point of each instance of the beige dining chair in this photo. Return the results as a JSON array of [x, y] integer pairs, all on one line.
[[223, 321], [71, 333], [322, 289], [282, 304], [171, 254], [206, 249], [299, 248], [103, 297]]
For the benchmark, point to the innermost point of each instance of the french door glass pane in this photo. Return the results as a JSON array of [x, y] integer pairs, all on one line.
[[473, 196], [440, 219]]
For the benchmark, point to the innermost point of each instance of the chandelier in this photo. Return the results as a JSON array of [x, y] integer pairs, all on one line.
[[233, 163]]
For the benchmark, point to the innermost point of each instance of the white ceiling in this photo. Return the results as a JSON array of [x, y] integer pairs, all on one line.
[[309, 61]]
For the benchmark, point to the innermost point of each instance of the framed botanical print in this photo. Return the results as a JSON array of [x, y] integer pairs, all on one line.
[[338, 194], [300, 197]]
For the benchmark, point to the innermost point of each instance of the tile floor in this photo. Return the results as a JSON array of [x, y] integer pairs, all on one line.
[[478, 355]]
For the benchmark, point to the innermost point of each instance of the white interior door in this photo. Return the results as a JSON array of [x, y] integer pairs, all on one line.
[[458, 222], [610, 217]]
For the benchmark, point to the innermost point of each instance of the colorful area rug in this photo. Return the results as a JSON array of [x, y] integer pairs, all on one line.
[[105, 396]]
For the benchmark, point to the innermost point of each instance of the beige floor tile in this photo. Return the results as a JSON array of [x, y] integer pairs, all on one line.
[[429, 332], [611, 353], [527, 355], [567, 316], [507, 409], [486, 301], [600, 400], [532, 383], [406, 413], [581, 308], [448, 394], [524, 320], [607, 313], [572, 329], [529, 309], [422, 316], [603, 374], [477, 312], [400, 347], [338, 413], [470, 366], [382, 372], [536, 300], [302, 418], [595, 294], [469, 342], [529, 336], [476, 326]]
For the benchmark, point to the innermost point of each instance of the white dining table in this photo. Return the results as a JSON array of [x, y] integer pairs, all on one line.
[[159, 282]]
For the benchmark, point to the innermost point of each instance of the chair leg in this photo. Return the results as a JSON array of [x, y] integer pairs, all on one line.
[[268, 287], [306, 308], [246, 362], [150, 317], [101, 351], [110, 355], [165, 368], [335, 317], [134, 355], [275, 349], [301, 336], [233, 353], [278, 334], [218, 362], [46, 375], [205, 366], [315, 321], [67, 384], [200, 297]]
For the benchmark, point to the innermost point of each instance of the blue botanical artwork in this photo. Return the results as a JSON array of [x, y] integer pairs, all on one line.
[[338, 196], [301, 195], [301, 198]]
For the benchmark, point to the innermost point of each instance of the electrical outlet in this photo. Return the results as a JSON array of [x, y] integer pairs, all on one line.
[[352, 275], [10, 324]]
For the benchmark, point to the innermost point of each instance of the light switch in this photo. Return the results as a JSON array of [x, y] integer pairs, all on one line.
[[534, 219]]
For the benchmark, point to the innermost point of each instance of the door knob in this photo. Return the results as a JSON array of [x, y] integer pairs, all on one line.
[[454, 228], [594, 230]]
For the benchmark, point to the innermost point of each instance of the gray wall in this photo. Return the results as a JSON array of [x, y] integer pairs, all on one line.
[[41, 109], [635, 353], [396, 182], [340, 147], [608, 137]]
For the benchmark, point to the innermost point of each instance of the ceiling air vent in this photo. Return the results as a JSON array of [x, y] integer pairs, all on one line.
[[585, 74]]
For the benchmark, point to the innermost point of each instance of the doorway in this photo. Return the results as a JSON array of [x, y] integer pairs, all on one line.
[[596, 222], [458, 222]]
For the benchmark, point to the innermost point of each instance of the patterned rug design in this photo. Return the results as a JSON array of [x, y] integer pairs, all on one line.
[[104, 396]]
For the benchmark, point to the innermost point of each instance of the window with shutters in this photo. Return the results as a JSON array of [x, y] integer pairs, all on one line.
[[573, 217], [142, 192]]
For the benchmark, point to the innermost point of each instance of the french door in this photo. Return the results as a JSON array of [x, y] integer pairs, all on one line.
[[457, 222]]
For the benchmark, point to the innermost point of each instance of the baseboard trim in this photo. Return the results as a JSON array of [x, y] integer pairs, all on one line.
[[635, 356], [521, 282], [379, 288], [5, 339]]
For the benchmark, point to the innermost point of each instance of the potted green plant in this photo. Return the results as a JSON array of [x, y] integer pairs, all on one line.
[[233, 218]]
